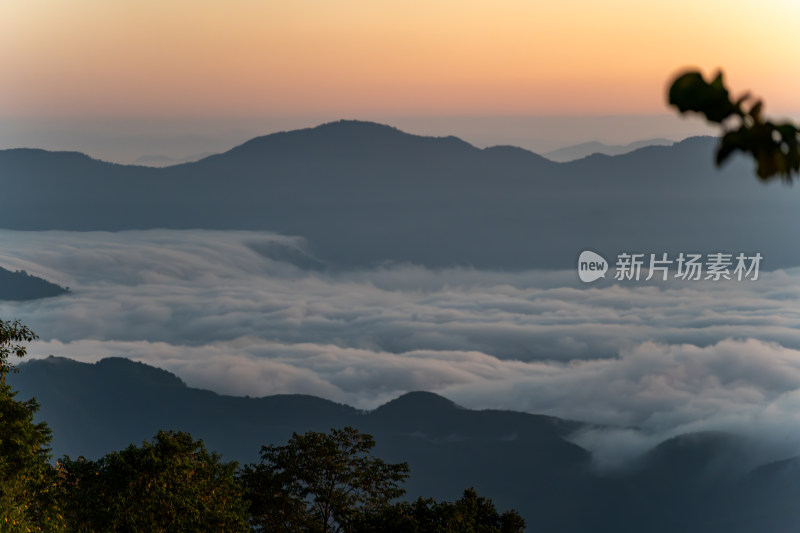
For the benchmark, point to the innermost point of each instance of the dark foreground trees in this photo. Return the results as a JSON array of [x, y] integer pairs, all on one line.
[[171, 484], [471, 513], [321, 482], [28, 484], [324, 482], [317, 482]]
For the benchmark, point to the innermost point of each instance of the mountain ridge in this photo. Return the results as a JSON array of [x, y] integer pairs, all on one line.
[[21, 286], [347, 126], [365, 194], [520, 460], [581, 150]]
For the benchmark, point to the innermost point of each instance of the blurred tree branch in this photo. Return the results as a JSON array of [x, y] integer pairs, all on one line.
[[775, 147]]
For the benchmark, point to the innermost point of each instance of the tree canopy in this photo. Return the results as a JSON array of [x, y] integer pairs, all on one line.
[[774, 146], [28, 484], [471, 513], [171, 484], [326, 482]]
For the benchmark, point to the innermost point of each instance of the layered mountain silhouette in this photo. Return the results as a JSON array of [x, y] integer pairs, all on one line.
[[364, 193], [570, 153], [20, 285], [701, 482]]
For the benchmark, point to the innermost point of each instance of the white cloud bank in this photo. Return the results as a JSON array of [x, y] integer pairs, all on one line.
[[665, 357]]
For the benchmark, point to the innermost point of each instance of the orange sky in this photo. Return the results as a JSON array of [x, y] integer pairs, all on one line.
[[100, 58]]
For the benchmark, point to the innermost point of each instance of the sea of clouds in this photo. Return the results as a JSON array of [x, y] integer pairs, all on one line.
[[663, 357]]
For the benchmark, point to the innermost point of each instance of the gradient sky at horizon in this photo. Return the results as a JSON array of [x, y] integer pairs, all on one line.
[[177, 78], [180, 58]]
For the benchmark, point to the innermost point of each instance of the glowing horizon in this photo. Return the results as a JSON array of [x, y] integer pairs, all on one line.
[[90, 58]]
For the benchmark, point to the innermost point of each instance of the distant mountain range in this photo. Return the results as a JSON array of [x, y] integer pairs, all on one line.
[[561, 155], [155, 160], [365, 193], [20, 285], [692, 483], [578, 151]]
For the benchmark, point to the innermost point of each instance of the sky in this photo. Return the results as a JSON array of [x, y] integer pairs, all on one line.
[[100, 69]]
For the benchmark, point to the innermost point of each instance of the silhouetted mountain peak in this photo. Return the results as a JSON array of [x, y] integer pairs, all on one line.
[[516, 155], [40, 157], [579, 151], [418, 401], [52, 361], [110, 370], [345, 137], [40, 152], [358, 127], [122, 367], [697, 139], [703, 452], [358, 130], [20, 285]]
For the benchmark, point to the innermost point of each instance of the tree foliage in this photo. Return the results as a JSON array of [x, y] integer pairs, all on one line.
[[470, 514], [321, 482], [775, 147], [317, 482], [28, 484], [12, 334], [171, 484]]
